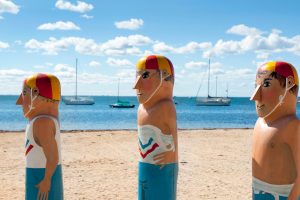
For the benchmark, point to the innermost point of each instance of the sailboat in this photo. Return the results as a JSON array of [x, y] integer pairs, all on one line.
[[121, 103], [213, 101], [78, 100]]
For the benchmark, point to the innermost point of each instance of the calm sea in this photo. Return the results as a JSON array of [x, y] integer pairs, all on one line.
[[240, 114]]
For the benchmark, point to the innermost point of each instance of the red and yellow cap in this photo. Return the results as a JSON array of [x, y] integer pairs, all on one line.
[[282, 68], [158, 62], [47, 84]]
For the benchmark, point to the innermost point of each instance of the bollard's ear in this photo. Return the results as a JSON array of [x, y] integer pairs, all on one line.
[[35, 92], [290, 82]]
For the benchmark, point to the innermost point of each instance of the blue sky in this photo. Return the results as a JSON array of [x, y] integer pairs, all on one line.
[[108, 37]]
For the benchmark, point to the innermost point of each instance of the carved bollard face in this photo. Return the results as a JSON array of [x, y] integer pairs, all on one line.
[[267, 93], [147, 82], [37, 91], [151, 72], [273, 82]]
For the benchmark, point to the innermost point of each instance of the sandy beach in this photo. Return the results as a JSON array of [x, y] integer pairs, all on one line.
[[213, 164]]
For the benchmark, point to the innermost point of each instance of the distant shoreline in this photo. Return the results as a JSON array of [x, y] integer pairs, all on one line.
[[120, 130]]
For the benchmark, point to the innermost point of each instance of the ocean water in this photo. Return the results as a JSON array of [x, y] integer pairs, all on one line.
[[240, 114]]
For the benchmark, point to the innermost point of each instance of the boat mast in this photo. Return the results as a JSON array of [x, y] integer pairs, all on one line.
[[227, 90], [208, 77], [118, 88], [76, 81], [216, 86]]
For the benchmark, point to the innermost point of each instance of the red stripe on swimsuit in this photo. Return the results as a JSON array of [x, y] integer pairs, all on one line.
[[149, 150], [28, 149]]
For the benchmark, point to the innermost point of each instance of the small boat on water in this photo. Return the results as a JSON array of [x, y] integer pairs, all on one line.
[[212, 101], [78, 100], [121, 103]]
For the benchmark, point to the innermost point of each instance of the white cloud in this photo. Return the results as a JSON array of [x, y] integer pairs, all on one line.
[[48, 64], [254, 41], [162, 47], [4, 45], [1, 17], [117, 46], [133, 51], [13, 72], [60, 25], [242, 85], [240, 72], [122, 41], [94, 78], [147, 52], [63, 68], [40, 67], [217, 72], [64, 71], [201, 69], [13, 79], [224, 47], [183, 71], [43, 66], [215, 65], [122, 52], [94, 64], [193, 65], [18, 42], [66, 74], [274, 42], [190, 47], [260, 62], [262, 55], [132, 24], [216, 68], [9, 7], [87, 16], [118, 62], [242, 29], [51, 47], [126, 75], [80, 7]]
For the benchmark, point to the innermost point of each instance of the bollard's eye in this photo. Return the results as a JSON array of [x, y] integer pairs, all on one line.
[[24, 92], [267, 83], [145, 75]]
